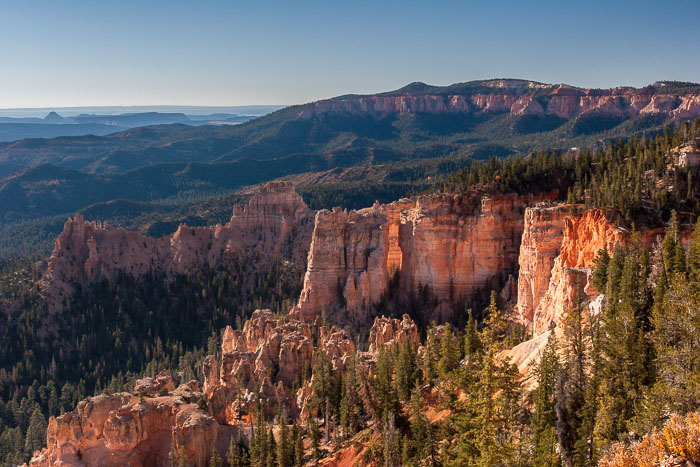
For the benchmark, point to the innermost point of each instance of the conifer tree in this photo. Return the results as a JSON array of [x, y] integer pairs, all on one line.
[[284, 459], [315, 436], [298, 446], [625, 356], [36, 432], [544, 452], [449, 352], [571, 385], [383, 384], [233, 455], [421, 431], [405, 370], [215, 459]]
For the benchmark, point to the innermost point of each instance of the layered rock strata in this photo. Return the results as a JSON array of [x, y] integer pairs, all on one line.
[[543, 231], [556, 265], [275, 223], [520, 98], [584, 236], [454, 244]]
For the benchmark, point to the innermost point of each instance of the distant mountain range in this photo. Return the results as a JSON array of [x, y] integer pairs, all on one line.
[[100, 124]]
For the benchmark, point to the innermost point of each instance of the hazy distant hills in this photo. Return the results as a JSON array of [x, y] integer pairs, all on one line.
[[189, 160], [99, 124]]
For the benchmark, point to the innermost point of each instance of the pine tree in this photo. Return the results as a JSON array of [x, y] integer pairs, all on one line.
[[544, 452], [488, 423], [233, 455], [405, 371], [600, 272], [421, 431], [322, 388], [283, 448], [391, 450], [383, 384], [449, 352], [297, 445], [625, 355], [271, 449], [315, 436], [472, 344], [215, 459], [571, 385], [36, 432]]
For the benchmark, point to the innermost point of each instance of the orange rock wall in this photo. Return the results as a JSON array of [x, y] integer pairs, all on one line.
[[583, 237], [275, 223], [454, 244], [521, 98], [127, 430]]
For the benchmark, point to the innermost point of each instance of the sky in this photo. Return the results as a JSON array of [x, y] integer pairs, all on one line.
[[90, 53]]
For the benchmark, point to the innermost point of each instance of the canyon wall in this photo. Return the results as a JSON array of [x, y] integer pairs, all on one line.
[[521, 98], [452, 243], [275, 224], [556, 265], [584, 235], [543, 230]]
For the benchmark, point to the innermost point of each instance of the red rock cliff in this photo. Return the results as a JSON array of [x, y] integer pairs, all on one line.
[[540, 244], [520, 98], [454, 244], [584, 236], [275, 223], [126, 429]]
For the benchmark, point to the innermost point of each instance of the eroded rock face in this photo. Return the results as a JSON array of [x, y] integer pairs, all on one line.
[[453, 244], [520, 98], [275, 223], [269, 356], [387, 332], [152, 386], [123, 429], [583, 237], [556, 265], [541, 241]]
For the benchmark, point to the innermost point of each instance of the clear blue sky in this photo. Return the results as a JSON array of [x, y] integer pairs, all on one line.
[[69, 53]]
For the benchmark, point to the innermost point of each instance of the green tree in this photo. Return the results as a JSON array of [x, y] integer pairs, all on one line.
[[543, 425], [215, 459], [449, 352], [36, 432]]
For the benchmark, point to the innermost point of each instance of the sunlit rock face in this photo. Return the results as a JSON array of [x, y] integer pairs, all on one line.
[[134, 430], [539, 247], [520, 98], [584, 236], [275, 224], [556, 265], [453, 244]]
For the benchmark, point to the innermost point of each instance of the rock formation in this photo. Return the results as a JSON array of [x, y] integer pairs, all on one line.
[[541, 241], [126, 429], [583, 237], [556, 260], [386, 332], [454, 244], [275, 223], [519, 98]]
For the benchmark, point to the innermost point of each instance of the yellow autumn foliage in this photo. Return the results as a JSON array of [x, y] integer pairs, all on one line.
[[678, 441]]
